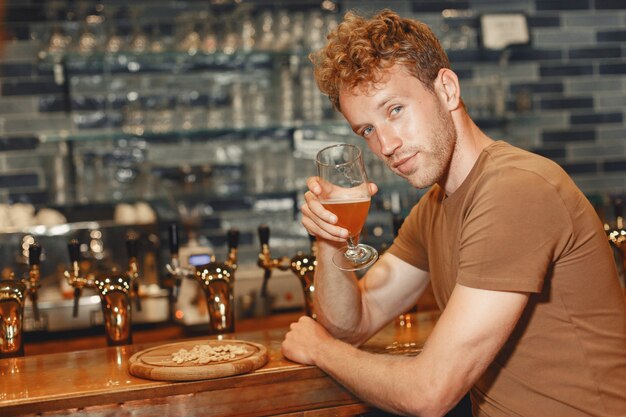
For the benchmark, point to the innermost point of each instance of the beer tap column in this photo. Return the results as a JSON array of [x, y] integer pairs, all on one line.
[[114, 289], [34, 275], [215, 278], [266, 261], [174, 267], [133, 268], [74, 277], [13, 294], [303, 266]]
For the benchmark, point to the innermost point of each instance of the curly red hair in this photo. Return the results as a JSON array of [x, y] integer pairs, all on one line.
[[359, 50]]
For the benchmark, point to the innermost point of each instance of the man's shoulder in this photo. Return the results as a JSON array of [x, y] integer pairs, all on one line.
[[510, 164]]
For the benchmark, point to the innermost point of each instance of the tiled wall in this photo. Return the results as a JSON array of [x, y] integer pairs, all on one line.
[[564, 94]]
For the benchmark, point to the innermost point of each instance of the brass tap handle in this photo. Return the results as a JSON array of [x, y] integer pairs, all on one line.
[[73, 277], [34, 259], [233, 243], [264, 239], [174, 267], [265, 258], [133, 269], [313, 244], [174, 239], [397, 223]]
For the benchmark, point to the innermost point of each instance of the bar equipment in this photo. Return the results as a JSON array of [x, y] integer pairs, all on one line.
[[617, 236], [216, 279], [302, 265], [13, 294], [115, 288]]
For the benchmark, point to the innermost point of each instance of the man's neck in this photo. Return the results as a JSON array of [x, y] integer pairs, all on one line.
[[470, 143]]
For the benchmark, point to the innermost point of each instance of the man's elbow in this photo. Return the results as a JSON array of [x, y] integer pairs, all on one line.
[[431, 402]]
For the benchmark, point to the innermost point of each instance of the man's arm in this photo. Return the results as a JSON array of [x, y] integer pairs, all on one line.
[[354, 310], [470, 332]]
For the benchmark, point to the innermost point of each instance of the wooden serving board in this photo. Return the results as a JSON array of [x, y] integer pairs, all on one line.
[[156, 363]]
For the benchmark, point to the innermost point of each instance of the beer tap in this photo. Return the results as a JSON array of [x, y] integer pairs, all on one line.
[[266, 261], [133, 268], [34, 275], [617, 235], [302, 265], [175, 268], [13, 294], [114, 288], [216, 279], [74, 277]]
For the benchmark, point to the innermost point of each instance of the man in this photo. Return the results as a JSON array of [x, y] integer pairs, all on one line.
[[533, 321]]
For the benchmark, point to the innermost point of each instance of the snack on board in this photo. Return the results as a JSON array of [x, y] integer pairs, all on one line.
[[203, 354]]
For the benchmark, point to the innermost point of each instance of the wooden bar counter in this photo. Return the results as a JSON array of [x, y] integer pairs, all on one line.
[[96, 382]]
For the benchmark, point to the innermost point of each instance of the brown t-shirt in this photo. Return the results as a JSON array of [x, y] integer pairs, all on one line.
[[518, 223]]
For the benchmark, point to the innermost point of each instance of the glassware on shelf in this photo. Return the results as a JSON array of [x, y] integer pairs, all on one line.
[[114, 43], [210, 42], [266, 38], [283, 39], [59, 41], [88, 42], [345, 192]]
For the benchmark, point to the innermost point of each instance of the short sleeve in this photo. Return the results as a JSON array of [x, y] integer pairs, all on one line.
[[411, 243], [512, 233]]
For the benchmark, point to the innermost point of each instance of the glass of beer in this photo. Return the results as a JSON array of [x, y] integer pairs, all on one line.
[[345, 192]]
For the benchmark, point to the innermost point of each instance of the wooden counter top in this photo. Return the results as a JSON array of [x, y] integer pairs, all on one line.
[[97, 381]]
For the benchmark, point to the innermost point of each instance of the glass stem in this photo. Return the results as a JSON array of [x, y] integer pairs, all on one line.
[[353, 249]]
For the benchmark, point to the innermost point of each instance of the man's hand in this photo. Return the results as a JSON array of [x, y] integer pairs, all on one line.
[[301, 342], [316, 219]]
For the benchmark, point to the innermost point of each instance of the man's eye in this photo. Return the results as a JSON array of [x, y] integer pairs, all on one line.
[[367, 131], [396, 110]]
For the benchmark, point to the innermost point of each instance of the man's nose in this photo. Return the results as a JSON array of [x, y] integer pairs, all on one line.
[[389, 139]]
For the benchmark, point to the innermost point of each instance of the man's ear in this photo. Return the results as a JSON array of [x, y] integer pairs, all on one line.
[[448, 88]]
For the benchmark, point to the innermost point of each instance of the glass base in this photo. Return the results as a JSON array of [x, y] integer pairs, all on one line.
[[364, 257]]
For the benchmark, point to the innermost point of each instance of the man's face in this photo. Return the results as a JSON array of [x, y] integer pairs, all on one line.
[[404, 124]]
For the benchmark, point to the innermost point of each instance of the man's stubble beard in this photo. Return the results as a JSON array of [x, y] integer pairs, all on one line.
[[443, 145]]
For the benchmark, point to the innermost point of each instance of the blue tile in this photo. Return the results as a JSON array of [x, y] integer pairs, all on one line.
[[15, 143], [438, 6], [464, 73], [580, 168], [564, 136], [612, 68], [562, 5], [470, 55], [83, 103], [32, 197], [566, 103], [610, 4], [51, 103], [529, 54], [20, 32], [597, 118], [459, 22], [22, 13], [12, 87], [611, 36], [16, 70], [19, 180], [579, 53], [561, 70], [537, 87], [543, 21], [611, 166], [551, 153]]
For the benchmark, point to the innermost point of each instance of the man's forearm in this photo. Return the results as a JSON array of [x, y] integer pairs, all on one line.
[[337, 296]]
